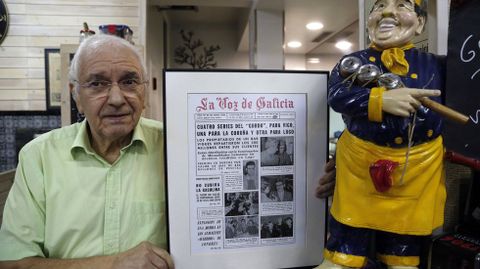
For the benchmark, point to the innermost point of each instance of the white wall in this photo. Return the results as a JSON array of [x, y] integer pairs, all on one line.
[[39, 24], [295, 62], [212, 34], [327, 61], [438, 17], [300, 62], [269, 35]]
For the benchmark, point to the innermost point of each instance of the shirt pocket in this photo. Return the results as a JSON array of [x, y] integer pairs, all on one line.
[[148, 211], [148, 223]]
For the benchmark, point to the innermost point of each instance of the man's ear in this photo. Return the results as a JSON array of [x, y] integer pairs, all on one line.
[[421, 25], [74, 94]]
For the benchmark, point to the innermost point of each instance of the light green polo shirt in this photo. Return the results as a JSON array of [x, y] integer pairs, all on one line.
[[68, 202]]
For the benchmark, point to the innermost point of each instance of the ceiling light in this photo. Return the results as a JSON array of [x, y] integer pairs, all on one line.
[[343, 45], [313, 60], [314, 26], [294, 44]]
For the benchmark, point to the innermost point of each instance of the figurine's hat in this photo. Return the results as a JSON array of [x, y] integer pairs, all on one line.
[[418, 2], [421, 5]]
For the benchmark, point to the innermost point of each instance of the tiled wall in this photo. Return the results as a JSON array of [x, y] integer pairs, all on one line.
[[11, 124]]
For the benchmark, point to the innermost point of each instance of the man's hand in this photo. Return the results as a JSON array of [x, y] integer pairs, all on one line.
[[403, 101], [326, 184], [143, 256]]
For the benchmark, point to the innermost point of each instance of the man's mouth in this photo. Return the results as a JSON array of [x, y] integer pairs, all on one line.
[[387, 24], [115, 116]]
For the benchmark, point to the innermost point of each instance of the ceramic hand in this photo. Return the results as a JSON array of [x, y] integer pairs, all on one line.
[[403, 101]]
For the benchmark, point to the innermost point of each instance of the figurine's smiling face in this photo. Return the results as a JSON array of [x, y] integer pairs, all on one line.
[[394, 23]]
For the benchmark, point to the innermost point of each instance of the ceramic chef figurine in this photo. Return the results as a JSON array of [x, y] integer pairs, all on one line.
[[389, 160]]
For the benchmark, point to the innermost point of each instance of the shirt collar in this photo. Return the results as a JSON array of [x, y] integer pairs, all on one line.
[[139, 135], [82, 141]]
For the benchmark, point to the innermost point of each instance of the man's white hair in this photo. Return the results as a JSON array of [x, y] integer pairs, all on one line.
[[92, 44]]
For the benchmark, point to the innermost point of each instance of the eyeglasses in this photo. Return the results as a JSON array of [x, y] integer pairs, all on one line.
[[101, 87]]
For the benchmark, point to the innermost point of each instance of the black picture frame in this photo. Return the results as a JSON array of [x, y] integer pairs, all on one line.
[[181, 84], [53, 85]]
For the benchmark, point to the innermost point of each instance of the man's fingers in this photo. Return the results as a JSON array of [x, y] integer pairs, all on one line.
[[325, 190], [326, 187], [157, 261], [326, 183], [164, 255], [324, 194], [328, 194], [330, 165], [326, 178]]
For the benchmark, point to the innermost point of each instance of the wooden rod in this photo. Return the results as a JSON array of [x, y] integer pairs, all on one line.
[[444, 110]]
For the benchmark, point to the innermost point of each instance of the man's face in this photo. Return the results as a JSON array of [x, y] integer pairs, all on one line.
[[279, 186], [265, 187], [394, 23], [115, 114], [271, 145], [241, 207], [282, 147], [251, 170]]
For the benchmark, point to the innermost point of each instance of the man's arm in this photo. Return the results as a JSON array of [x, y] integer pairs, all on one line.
[[21, 235], [40, 263], [143, 256]]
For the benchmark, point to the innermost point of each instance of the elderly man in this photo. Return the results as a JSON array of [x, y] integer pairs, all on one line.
[[378, 192], [91, 195]]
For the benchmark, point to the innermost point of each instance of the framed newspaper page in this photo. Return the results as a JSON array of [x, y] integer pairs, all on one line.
[[244, 152]]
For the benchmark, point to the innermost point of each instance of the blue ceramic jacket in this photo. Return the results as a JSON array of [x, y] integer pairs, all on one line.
[[426, 72]]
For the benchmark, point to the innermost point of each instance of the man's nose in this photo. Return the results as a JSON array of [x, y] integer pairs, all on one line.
[[115, 95]]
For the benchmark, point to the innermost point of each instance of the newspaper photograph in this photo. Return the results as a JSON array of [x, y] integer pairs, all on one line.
[[246, 177]]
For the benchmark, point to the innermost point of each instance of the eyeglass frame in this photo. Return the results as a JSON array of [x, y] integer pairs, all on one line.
[[109, 85]]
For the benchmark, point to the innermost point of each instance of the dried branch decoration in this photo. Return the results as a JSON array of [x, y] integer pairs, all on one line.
[[187, 53]]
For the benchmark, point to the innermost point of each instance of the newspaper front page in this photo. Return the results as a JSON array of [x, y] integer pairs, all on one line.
[[246, 170]]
